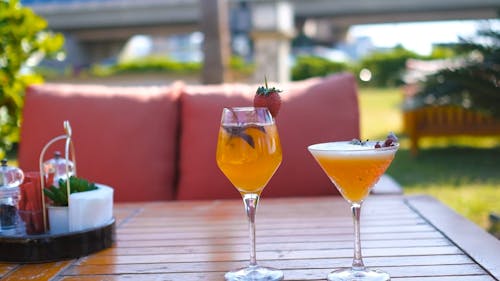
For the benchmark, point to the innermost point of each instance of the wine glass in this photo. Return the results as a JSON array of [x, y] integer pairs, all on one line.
[[248, 153], [354, 167]]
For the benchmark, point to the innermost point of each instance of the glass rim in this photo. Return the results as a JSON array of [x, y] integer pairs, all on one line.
[[370, 148], [246, 115], [244, 108]]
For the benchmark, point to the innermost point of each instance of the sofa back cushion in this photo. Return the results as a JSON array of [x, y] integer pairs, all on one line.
[[315, 110], [125, 137]]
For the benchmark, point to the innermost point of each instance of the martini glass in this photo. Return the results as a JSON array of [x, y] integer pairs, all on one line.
[[248, 153], [354, 169]]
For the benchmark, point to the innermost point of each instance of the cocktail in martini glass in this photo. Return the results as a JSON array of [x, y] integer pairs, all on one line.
[[354, 167]]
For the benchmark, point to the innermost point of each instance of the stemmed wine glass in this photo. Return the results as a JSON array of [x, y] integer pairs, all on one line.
[[248, 153], [354, 167]]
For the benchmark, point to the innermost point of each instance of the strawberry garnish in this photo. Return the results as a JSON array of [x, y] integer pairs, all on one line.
[[268, 97]]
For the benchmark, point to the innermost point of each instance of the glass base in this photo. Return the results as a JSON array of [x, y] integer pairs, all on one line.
[[349, 274], [255, 273]]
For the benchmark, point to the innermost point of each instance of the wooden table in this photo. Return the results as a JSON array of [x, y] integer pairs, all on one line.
[[412, 238]]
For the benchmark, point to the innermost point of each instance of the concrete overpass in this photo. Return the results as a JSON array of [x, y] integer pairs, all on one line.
[[108, 19], [99, 28]]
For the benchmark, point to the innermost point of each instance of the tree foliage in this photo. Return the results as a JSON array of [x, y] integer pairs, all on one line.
[[387, 67], [310, 66], [474, 84], [25, 40]]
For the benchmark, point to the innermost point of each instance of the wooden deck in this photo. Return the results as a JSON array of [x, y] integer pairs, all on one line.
[[412, 238]]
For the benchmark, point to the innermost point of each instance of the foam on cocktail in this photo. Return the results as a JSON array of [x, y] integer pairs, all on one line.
[[353, 168], [344, 148]]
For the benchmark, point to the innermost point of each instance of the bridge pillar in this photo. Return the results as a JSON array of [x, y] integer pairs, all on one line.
[[82, 53], [99, 51], [214, 24], [272, 32], [75, 54]]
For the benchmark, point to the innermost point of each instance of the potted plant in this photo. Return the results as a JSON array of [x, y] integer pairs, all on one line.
[[58, 210]]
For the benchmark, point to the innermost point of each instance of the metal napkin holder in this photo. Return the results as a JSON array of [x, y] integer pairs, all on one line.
[[69, 145]]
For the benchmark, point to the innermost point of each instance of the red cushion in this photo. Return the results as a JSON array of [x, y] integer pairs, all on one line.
[[315, 110], [124, 137]]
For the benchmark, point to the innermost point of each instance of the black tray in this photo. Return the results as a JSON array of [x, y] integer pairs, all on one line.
[[53, 247]]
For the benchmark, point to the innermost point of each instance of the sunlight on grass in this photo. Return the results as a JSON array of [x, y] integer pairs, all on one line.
[[462, 172], [380, 112], [481, 142], [473, 201]]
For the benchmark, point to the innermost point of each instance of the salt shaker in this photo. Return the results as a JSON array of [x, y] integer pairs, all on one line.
[[56, 167]]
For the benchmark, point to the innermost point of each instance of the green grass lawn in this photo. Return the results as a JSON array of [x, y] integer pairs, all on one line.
[[462, 172]]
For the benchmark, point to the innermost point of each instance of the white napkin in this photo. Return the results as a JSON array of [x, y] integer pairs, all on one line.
[[90, 208]]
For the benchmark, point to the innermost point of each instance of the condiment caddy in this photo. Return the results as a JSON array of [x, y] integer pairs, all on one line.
[[30, 233]]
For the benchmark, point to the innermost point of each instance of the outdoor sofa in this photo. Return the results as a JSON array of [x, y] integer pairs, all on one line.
[[158, 142]]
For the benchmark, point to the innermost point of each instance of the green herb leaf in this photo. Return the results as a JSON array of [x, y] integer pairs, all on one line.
[[59, 195]]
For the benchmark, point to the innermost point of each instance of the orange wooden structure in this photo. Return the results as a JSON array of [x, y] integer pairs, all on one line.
[[436, 121]]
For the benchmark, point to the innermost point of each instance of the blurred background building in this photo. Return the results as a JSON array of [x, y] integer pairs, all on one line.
[[268, 32]]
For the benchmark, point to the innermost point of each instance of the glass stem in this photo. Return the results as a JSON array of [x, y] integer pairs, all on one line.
[[357, 262], [251, 201]]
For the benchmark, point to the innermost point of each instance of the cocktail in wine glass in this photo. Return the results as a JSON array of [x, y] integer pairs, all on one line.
[[354, 167], [248, 153]]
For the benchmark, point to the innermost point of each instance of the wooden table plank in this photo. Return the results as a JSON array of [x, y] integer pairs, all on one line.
[[329, 263], [193, 225], [479, 245], [267, 255], [420, 271], [192, 277], [278, 233], [448, 278], [243, 246], [136, 241], [301, 274], [6, 268], [36, 272], [368, 238]]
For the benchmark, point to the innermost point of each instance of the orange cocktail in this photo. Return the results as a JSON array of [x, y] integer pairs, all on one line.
[[249, 155], [354, 167], [353, 170]]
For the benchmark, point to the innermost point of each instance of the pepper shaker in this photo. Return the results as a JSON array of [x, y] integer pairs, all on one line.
[[10, 179]]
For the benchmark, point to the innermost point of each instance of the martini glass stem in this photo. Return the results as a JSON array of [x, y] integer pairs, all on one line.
[[357, 262], [251, 201]]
